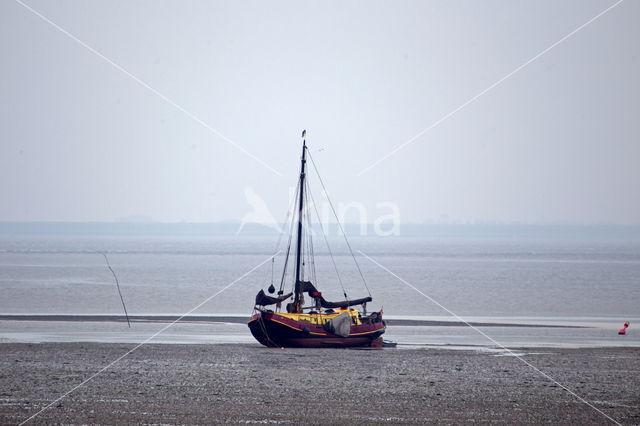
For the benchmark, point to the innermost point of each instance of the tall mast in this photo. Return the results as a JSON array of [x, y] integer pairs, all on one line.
[[298, 286]]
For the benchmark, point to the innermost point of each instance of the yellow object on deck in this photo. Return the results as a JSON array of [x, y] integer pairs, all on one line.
[[321, 318]]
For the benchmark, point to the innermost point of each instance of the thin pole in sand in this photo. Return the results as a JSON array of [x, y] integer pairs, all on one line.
[[117, 285], [147, 340]]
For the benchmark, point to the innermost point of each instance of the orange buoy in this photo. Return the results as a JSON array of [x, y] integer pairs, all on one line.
[[623, 330]]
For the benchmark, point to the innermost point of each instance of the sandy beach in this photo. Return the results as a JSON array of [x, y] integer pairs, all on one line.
[[240, 384]]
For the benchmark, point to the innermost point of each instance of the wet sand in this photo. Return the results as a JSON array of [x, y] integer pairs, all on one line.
[[239, 384]]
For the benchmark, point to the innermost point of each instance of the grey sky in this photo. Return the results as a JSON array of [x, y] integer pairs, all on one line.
[[81, 141]]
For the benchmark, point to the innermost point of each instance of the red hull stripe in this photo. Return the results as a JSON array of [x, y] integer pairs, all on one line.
[[297, 329], [325, 334]]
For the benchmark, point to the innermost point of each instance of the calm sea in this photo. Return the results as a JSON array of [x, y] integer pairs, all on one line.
[[583, 282]]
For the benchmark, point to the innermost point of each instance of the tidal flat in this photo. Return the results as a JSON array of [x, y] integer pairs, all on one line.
[[249, 384]]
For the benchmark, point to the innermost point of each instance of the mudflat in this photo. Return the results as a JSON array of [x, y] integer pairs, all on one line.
[[240, 384]]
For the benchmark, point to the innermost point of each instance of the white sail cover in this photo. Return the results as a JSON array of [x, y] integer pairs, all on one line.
[[341, 325]]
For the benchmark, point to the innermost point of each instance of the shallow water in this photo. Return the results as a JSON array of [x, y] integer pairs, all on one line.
[[584, 283], [449, 337]]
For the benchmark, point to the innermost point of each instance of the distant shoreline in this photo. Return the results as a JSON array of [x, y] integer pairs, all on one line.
[[446, 231], [243, 320]]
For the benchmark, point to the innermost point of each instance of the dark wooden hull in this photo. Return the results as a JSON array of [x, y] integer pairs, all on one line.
[[274, 330]]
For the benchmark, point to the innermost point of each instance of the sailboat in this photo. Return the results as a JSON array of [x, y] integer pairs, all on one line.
[[308, 320]]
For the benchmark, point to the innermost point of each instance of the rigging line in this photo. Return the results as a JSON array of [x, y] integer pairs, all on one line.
[[118, 286], [310, 253], [329, 248], [266, 333], [280, 234], [326, 194], [306, 239], [291, 231], [312, 250], [301, 246], [284, 270], [286, 218], [272, 262], [302, 250], [286, 259], [305, 244], [311, 246]]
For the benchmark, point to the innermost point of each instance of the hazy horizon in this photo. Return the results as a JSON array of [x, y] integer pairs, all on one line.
[[133, 221], [234, 230]]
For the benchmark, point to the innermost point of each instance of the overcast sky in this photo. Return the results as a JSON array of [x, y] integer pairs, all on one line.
[[556, 141]]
